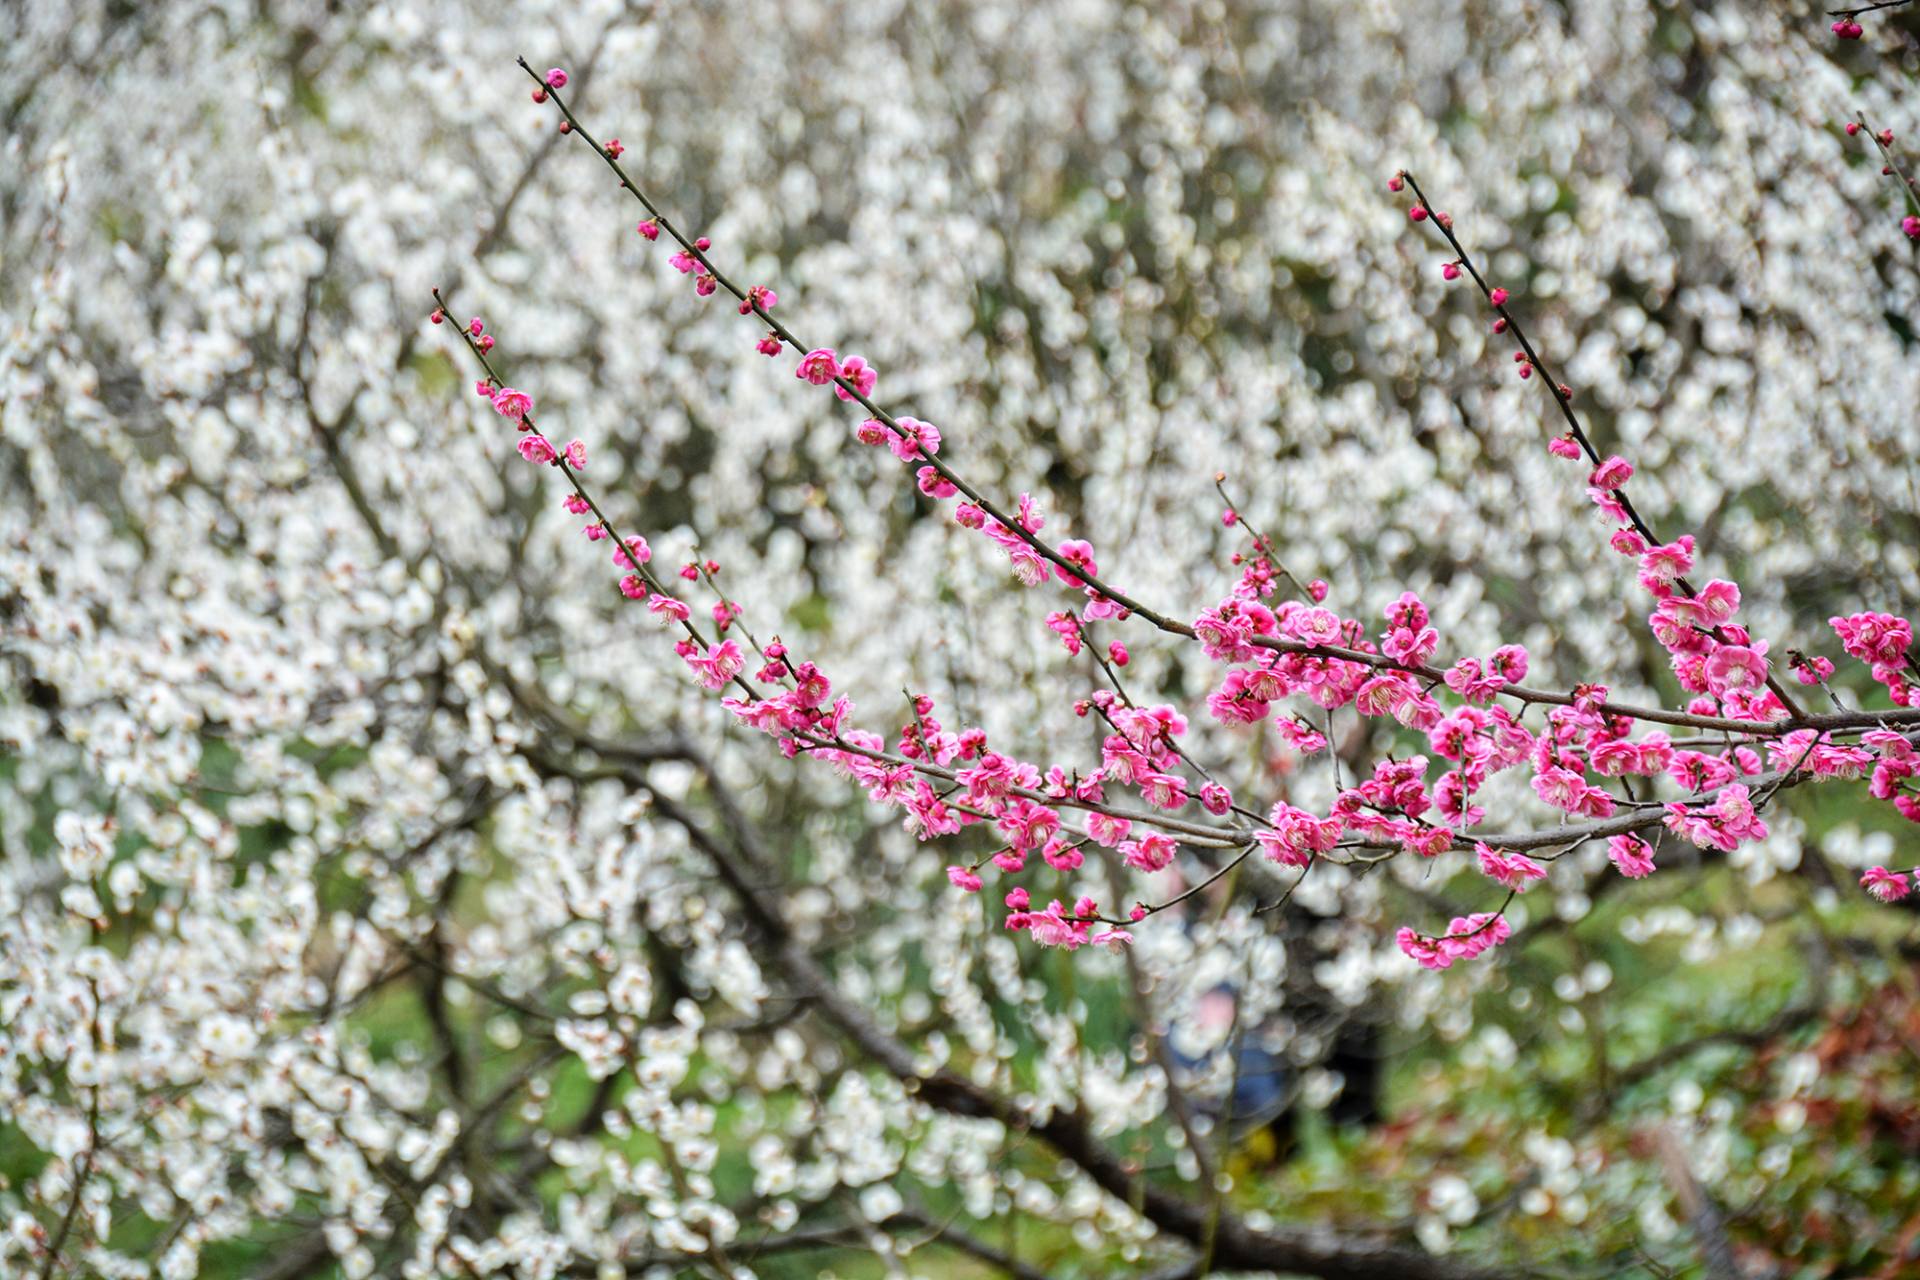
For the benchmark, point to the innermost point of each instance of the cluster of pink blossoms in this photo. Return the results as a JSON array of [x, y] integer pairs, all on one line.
[[1465, 938]]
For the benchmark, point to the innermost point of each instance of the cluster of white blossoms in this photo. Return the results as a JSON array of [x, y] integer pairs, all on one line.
[[375, 889]]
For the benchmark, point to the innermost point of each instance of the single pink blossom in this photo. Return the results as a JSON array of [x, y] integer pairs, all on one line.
[[512, 404], [1612, 473], [1888, 886], [914, 439], [818, 367], [858, 372], [1631, 855]]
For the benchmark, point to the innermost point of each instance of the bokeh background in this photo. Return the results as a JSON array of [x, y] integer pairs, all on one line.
[[385, 757]]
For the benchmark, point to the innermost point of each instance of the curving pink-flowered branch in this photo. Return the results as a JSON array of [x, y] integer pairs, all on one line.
[[1753, 737]]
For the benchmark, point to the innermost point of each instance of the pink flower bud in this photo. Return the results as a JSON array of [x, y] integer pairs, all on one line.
[[557, 79], [437, 317], [1450, 272], [1498, 298], [648, 229], [1853, 126], [614, 148], [1117, 654], [539, 95]]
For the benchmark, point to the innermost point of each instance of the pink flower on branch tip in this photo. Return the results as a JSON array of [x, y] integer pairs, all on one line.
[[1813, 670], [1888, 886]]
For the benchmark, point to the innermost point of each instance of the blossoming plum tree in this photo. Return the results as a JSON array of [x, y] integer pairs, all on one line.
[[1011, 821]]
